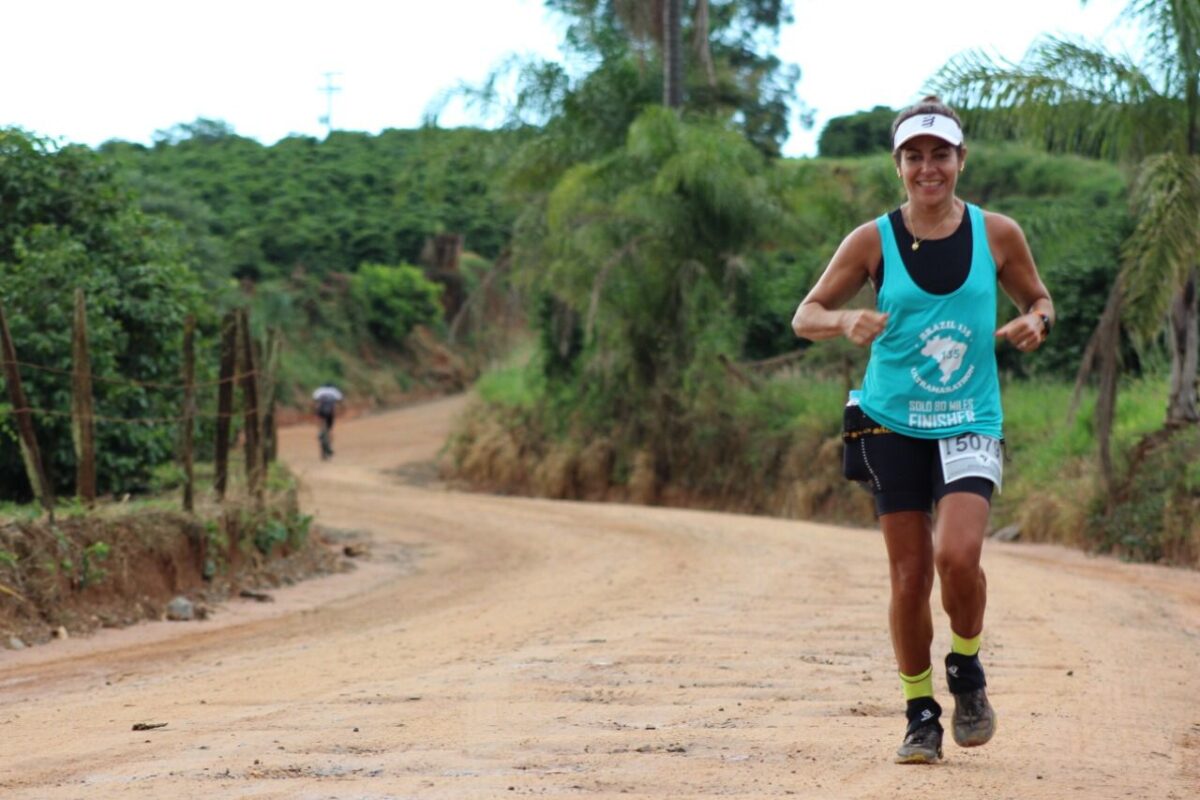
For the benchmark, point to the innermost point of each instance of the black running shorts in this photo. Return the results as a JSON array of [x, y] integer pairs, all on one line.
[[904, 473]]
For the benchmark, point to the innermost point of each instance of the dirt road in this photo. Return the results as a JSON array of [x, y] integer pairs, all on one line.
[[576, 650]]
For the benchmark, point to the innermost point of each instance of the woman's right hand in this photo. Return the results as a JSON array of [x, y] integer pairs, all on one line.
[[863, 326]]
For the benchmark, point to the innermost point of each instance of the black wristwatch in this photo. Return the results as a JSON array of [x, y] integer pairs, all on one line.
[[1046, 324]]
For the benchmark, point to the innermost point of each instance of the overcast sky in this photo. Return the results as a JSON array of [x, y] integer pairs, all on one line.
[[86, 71]]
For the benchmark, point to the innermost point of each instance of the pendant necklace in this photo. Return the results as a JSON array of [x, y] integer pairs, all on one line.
[[916, 244]]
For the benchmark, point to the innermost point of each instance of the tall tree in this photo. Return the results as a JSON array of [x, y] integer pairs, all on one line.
[[733, 75], [1072, 96], [672, 54], [642, 251]]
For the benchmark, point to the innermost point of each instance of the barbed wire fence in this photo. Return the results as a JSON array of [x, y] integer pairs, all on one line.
[[239, 369]]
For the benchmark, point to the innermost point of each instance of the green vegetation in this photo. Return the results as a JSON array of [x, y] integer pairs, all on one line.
[[66, 223], [659, 249], [860, 134], [327, 206], [790, 446], [729, 76], [508, 387], [394, 300], [319, 235]]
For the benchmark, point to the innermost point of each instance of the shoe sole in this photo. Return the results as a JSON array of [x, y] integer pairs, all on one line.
[[975, 738], [919, 758]]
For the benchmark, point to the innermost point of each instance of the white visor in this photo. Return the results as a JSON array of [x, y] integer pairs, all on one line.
[[937, 125]]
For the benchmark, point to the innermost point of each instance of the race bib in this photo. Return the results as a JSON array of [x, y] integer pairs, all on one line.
[[971, 455]]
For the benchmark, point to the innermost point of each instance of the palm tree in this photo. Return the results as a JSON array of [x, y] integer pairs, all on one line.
[[660, 22], [672, 54], [1072, 96]]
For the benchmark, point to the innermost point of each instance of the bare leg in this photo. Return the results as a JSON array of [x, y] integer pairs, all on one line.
[[958, 542], [910, 558]]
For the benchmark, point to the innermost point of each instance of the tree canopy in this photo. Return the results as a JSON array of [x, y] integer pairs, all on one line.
[[857, 134], [66, 222], [326, 206]]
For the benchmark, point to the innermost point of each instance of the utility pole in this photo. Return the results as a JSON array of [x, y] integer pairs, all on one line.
[[330, 90]]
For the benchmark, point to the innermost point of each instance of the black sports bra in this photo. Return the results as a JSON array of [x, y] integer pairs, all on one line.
[[939, 266]]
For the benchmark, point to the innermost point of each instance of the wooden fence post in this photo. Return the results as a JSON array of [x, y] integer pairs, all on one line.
[[189, 411], [250, 430], [24, 417], [270, 384], [225, 402], [82, 415]]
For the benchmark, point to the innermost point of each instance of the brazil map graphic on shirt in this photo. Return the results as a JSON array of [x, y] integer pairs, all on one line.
[[947, 352], [947, 343]]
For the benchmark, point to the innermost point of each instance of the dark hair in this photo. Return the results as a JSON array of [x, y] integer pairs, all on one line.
[[930, 104]]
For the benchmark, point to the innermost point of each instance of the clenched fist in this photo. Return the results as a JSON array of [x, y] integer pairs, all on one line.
[[863, 326], [1026, 332]]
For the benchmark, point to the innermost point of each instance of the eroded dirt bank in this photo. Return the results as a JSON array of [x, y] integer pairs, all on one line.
[[581, 650]]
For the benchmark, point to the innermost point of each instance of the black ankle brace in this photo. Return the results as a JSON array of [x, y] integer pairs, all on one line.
[[964, 673], [921, 711]]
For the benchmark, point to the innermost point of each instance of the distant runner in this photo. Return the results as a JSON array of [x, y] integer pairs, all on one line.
[[925, 431], [325, 402]]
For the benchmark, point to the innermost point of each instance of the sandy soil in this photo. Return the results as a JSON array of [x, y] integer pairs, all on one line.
[[497, 647]]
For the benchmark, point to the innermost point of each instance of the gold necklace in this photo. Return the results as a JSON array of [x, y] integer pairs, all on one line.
[[916, 239]]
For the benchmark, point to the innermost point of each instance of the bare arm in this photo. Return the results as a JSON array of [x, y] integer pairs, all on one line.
[[1019, 278], [820, 316]]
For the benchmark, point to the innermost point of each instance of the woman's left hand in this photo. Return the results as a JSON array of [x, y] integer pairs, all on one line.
[[1026, 332]]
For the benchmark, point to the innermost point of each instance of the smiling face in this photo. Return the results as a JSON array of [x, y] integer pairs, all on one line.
[[929, 167]]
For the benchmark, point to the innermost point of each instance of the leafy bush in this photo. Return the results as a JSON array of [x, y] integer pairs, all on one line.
[[270, 532], [1152, 515], [394, 300]]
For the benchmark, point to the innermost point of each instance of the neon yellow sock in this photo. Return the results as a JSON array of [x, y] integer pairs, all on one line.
[[920, 685], [964, 647]]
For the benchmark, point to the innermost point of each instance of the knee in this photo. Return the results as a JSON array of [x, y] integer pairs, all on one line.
[[912, 578], [956, 563]]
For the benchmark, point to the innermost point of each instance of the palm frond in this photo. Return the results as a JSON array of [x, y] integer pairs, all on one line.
[[1053, 70], [1065, 95], [1170, 34], [1165, 246], [1170, 52]]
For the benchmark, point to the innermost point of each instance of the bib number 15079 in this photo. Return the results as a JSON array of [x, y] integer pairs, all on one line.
[[971, 455]]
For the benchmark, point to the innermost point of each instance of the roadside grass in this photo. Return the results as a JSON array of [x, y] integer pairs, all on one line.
[[789, 424], [792, 401], [509, 387], [1041, 440]]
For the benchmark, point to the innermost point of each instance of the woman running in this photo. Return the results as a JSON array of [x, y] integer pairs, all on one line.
[[925, 430]]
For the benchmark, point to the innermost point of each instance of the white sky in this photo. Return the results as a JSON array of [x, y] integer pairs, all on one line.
[[86, 71]]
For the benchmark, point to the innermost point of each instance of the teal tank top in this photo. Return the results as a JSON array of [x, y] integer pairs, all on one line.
[[932, 372]]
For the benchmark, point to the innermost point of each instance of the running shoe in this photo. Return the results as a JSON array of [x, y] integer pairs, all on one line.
[[922, 744], [974, 721], [923, 739]]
